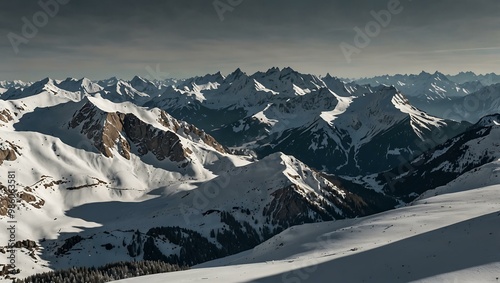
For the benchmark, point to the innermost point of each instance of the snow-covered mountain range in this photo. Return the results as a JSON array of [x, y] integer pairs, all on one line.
[[468, 77], [266, 112], [192, 170], [427, 86], [462, 97]]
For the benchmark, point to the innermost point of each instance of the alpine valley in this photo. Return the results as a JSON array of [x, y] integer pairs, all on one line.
[[218, 171]]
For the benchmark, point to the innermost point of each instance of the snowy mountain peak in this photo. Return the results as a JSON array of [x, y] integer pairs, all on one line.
[[273, 70], [210, 78], [199, 84], [423, 74], [434, 76], [123, 127], [422, 88], [464, 77], [123, 91], [108, 82], [83, 85], [116, 131], [288, 70], [234, 76], [488, 121], [138, 80], [46, 84], [14, 84], [145, 86], [288, 81]]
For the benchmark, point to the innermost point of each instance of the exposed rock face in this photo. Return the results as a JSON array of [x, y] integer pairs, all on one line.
[[104, 129], [4, 201], [7, 154], [118, 130], [163, 144], [6, 116], [190, 130], [288, 206], [8, 151], [24, 198], [292, 205]]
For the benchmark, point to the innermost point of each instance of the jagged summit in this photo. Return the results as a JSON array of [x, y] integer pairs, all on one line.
[[82, 85], [238, 73], [107, 82], [488, 121]]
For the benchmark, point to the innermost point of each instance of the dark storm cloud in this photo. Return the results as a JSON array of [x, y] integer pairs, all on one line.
[[105, 38]]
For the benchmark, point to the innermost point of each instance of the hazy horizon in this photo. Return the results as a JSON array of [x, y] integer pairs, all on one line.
[[149, 77]]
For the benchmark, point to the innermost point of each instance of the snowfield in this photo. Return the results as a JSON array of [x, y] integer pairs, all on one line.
[[451, 234]]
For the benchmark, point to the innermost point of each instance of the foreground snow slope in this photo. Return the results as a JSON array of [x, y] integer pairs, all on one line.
[[451, 234]]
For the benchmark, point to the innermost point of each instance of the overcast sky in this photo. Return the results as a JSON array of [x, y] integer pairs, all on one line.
[[182, 38]]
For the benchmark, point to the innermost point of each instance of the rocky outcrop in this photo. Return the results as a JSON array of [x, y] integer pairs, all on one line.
[[25, 197], [4, 201], [104, 129], [8, 151], [120, 131], [288, 206], [163, 144], [6, 116], [190, 130], [7, 154], [291, 206]]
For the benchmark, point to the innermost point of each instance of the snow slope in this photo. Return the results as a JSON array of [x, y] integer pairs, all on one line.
[[76, 182], [449, 235]]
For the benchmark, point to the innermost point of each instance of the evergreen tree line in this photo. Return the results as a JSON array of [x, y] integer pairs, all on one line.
[[195, 248], [68, 244], [239, 237], [106, 273]]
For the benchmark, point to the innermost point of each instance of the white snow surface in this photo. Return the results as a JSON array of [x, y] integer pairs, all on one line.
[[450, 234]]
